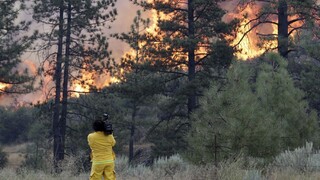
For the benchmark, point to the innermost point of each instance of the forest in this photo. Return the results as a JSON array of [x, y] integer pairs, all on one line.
[[195, 89]]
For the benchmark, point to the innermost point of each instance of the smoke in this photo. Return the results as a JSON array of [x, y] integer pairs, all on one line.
[[126, 13]]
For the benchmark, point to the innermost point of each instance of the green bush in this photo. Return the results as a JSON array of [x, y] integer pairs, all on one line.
[[14, 124]]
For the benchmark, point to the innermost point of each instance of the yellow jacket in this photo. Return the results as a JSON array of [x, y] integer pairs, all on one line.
[[101, 147]]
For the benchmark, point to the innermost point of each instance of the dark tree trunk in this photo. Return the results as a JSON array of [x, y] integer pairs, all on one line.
[[135, 108], [64, 108], [57, 151], [283, 37], [132, 130], [191, 57]]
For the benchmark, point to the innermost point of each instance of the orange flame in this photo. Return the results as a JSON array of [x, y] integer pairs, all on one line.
[[3, 86], [251, 44], [247, 39], [90, 80], [153, 29]]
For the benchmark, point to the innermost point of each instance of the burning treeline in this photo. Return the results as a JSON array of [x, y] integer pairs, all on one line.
[[252, 38], [256, 33], [259, 26]]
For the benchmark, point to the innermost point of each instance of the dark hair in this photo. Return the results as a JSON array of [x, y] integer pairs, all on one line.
[[98, 125]]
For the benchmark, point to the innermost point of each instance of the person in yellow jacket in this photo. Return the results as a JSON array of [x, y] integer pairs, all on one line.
[[102, 155]]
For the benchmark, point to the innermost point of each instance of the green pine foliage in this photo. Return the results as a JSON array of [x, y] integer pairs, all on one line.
[[89, 48], [278, 95], [184, 52], [85, 110], [13, 43], [74, 39], [184, 43], [15, 124], [307, 68], [255, 114], [310, 83]]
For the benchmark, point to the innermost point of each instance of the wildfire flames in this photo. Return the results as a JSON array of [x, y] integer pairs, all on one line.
[[88, 81], [3, 86], [247, 40], [252, 42]]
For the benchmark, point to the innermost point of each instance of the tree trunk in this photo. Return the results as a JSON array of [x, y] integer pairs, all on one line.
[[132, 130], [64, 108], [57, 153], [283, 37], [134, 109], [191, 57]]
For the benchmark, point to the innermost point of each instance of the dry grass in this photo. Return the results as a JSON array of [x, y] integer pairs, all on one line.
[[16, 154], [294, 175], [175, 168], [10, 174], [16, 148], [146, 173]]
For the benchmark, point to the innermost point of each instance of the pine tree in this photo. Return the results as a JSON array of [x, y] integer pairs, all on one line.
[[187, 29], [183, 49], [13, 43], [278, 95], [257, 113], [137, 84], [308, 71], [230, 120], [79, 30]]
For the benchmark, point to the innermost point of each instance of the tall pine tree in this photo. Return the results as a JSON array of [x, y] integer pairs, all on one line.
[[186, 30], [182, 47], [77, 27], [13, 43], [137, 85]]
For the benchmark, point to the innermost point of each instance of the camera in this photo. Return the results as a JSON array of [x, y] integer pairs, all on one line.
[[105, 116], [107, 124]]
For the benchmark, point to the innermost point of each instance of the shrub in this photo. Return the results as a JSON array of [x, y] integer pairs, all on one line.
[[121, 163], [231, 169], [301, 159], [169, 166], [36, 158], [14, 124], [3, 159]]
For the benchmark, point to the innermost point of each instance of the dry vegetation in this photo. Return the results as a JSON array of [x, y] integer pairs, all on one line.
[[300, 164], [231, 171], [16, 155]]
